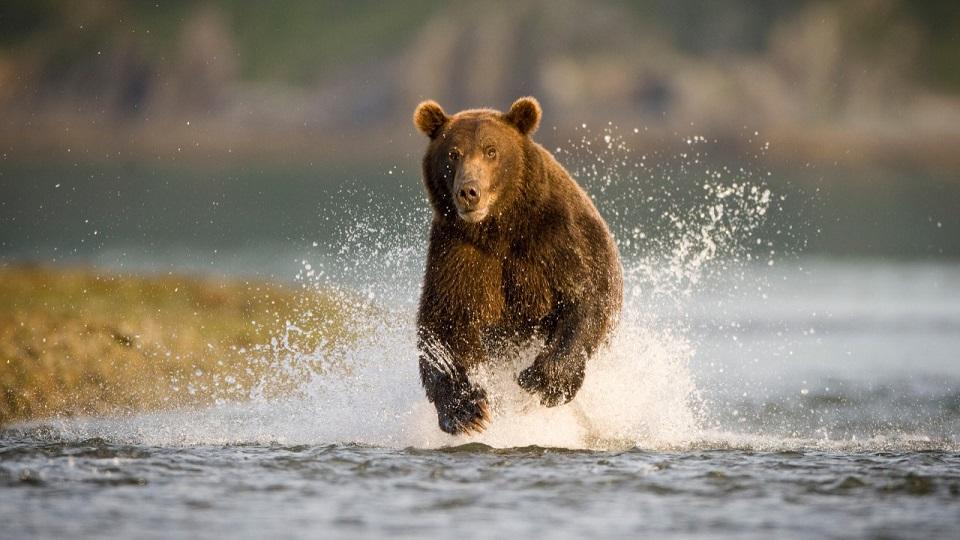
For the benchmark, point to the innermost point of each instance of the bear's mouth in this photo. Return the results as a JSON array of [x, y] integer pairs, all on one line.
[[473, 216]]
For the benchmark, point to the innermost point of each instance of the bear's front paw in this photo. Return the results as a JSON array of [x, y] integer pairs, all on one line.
[[554, 381], [467, 413]]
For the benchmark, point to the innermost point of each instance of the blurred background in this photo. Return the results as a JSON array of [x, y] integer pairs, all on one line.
[[198, 133], [235, 139]]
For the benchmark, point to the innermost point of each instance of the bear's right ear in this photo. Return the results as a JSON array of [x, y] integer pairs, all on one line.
[[429, 118]]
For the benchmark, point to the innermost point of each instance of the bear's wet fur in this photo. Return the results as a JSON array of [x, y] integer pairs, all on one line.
[[517, 250]]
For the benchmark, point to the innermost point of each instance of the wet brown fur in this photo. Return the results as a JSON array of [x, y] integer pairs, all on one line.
[[542, 263]]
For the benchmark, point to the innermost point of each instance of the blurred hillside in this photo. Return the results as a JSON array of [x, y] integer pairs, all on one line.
[[863, 81]]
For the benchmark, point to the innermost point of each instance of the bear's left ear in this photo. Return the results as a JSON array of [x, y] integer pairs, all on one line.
[[524, 114], [429, 118]]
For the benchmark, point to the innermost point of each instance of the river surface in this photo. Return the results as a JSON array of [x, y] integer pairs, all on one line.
[[98, 488], [749, 392], [825, 404]]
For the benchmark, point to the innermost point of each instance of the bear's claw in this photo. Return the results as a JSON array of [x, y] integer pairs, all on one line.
[[466, 416], [553, 390]]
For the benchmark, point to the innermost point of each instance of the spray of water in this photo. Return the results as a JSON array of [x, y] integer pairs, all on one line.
[[676, 218]]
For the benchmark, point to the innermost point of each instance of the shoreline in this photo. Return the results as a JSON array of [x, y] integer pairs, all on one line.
[[87, 341]]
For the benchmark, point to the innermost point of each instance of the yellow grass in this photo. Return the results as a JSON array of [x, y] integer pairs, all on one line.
[[76, 341]]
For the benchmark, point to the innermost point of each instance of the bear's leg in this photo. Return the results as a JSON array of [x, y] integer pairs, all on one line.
[[558, 371], [461, 405]]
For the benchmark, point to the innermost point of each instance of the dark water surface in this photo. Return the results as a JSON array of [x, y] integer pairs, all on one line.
[[95, 488]]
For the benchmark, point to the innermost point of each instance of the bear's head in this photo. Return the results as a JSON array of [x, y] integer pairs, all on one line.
[[475, 158]]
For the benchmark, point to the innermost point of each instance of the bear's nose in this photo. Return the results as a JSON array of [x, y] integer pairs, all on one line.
[[469, 194]]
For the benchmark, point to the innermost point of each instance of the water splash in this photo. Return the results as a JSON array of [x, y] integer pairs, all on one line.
[[676, 219]]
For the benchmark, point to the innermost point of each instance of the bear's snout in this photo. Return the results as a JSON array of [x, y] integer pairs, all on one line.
[[469, 195], [471, 201]]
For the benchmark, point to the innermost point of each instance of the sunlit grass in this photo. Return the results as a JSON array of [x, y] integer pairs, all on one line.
[[88, 342]]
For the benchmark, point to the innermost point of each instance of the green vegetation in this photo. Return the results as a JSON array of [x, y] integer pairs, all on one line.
[[296, 41], [86, 342], [312, 37], [292, 41]]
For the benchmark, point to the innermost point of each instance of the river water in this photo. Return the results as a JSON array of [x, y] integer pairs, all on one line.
[[830, 408], [748, 392]]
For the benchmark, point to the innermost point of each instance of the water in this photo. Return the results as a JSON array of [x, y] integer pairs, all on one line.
[[748, 393], [97, 488]]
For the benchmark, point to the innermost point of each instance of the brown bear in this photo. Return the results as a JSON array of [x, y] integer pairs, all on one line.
[[517, 251]]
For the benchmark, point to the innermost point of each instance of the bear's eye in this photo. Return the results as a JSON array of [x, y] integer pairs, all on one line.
[[491, 152], [454, 155]]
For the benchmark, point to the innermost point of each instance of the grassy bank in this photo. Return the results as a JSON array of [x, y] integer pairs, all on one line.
[[79, 341]]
